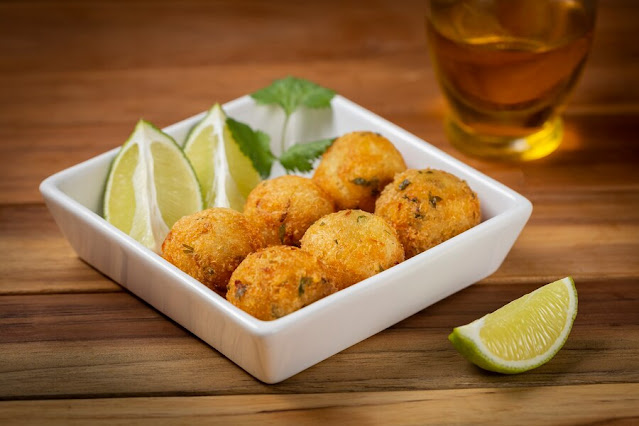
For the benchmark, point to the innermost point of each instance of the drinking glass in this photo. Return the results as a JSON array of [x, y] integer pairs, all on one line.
[[506, 68]]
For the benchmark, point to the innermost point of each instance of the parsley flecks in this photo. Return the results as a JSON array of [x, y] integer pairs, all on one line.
[[301, 155], [187, 249], [403, 184], [360, 181], [282, 232], [255, 144], [290, 93], [304, 281], [412, 200], [361, 218], [240, 288], [433, 200], [275, 311], [364, 182]]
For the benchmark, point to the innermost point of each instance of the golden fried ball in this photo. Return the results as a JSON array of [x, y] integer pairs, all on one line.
[[355, 169], [283, 208], [208, 245], [278, 280], [354, 244], [427, 207]]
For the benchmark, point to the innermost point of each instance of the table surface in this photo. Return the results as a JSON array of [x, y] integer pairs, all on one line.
[[76, 347]]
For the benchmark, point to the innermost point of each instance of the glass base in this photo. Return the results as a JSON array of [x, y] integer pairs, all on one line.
[[531, 147]]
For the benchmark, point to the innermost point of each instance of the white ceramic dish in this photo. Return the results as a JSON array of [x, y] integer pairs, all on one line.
[[273, 351]]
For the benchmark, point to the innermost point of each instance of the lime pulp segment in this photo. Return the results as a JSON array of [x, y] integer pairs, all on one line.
[[226, 175], [151, 185]]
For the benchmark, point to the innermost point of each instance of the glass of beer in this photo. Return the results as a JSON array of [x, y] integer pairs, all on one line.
[[506, 68]]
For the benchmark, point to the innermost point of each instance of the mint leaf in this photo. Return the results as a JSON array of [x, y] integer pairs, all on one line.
[[254, 144], [290, 93], [301, 155]]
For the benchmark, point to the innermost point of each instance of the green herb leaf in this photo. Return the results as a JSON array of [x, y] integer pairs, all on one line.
[[254, 144], [187, 249], [304, 281], [404, 184], [301, 155], [240, 288], [363, 182], [291, 92], [433, 200], [282, 232]]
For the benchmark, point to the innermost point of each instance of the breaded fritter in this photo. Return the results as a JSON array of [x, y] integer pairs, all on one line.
[[278, 280], [354, 244], [284, 207], [355, 169], [427, 207], [210, 244]]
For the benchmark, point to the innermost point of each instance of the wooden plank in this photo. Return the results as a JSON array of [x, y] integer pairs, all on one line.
[[37, 258], [112, 344], [565, 236], [90, 86], [221, 32], [530, 405], [598, 153]]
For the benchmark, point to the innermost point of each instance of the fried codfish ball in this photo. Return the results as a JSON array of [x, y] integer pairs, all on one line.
[[356, 167], [283, 208], [208, 245], [427, 207], [278, 280], [354, 244]]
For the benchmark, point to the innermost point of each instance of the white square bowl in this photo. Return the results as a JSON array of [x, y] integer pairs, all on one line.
[[274, 351]]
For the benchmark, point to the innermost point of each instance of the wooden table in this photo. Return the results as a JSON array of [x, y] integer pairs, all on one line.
[[76, 348]]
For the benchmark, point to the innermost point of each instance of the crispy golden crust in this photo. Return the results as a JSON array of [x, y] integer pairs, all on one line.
[[283, 208], [354, 244], [427, 207], [208, 245], [355, 169], [278, 280]]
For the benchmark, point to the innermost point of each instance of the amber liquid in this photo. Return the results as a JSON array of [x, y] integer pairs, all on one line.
[[507, 70]]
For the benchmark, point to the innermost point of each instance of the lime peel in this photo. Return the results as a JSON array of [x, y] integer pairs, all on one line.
[[471, 343]]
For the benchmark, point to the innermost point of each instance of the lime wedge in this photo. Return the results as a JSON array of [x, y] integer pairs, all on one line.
[[150, 186], [226, 175], [522, 335]]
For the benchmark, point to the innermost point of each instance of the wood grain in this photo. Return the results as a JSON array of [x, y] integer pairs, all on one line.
[[98, 345], [560, 405], [76, 348], [560, 228]]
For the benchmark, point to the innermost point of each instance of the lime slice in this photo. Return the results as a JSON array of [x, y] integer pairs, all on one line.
[[226, 175], [150, 186], [522, 335]]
